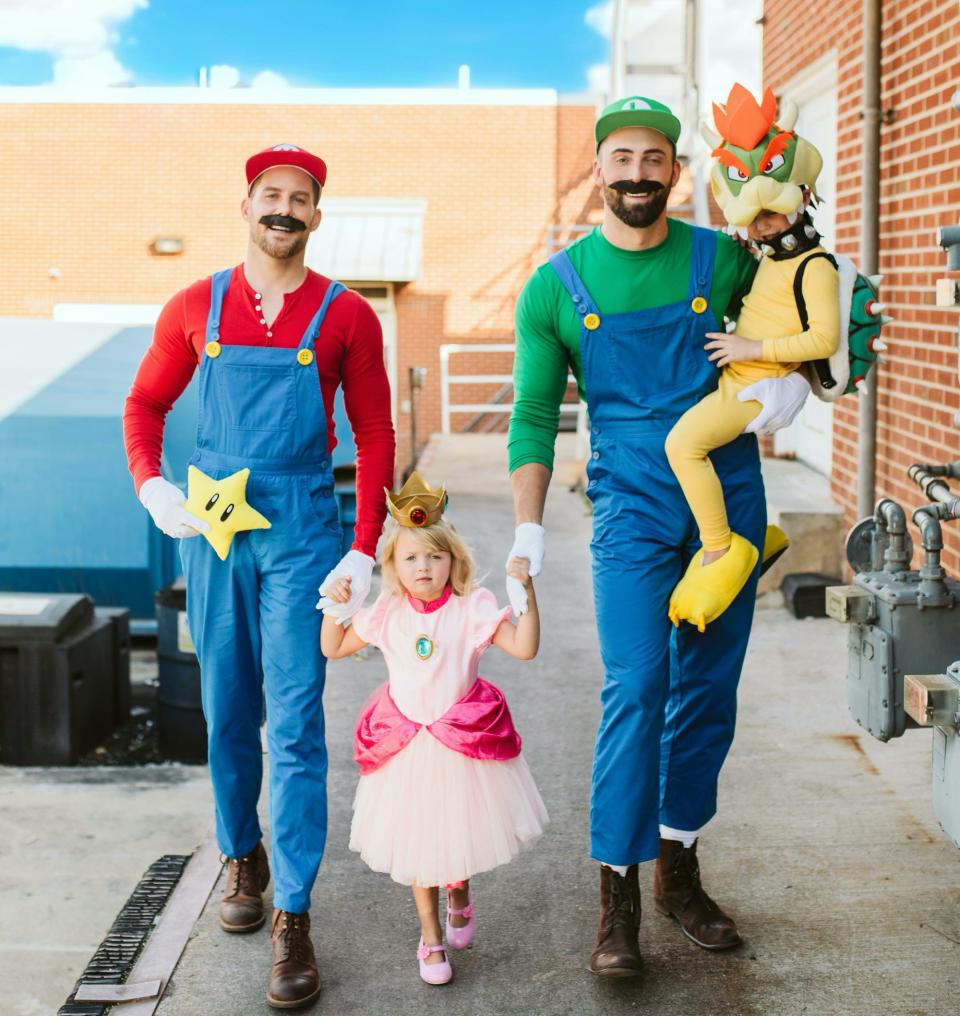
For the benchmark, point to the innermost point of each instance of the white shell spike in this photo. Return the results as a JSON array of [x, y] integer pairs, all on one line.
[[788, 115], [791, 217], [709, 135], [743, 233], [878, 345], [881, 361], [861, 387], [884, 320], [877, 307], [875, 280]]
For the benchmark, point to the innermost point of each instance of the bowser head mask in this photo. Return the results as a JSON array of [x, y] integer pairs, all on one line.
[[760, 163]]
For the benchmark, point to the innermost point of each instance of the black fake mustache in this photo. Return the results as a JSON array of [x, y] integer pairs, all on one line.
[[638, 187], [283, 220]]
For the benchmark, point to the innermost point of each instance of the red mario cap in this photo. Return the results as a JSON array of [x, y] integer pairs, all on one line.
[[285, 155]]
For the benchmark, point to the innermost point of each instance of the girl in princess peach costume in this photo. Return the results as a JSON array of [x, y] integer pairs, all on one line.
[[444, 792]]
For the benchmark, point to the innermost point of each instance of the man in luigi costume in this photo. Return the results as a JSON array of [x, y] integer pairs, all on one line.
[[627, 308]]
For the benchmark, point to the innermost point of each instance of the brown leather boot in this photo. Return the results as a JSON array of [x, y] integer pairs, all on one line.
[[294, 979], [241, 908], [677, 892], [617, 952]]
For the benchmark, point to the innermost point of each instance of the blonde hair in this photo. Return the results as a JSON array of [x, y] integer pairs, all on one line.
[[440, 536]]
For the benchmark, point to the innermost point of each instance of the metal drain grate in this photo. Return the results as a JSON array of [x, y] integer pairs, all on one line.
[[115, 955]]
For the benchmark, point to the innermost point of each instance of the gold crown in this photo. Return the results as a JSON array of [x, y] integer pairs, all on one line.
[[416, 503]]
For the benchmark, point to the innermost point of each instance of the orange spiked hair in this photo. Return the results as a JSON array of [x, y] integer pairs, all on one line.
[[741, 121]]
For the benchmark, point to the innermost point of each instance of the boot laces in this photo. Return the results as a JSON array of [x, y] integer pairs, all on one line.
[[243, 872], [622, 911], [686, 870], [292, 939]]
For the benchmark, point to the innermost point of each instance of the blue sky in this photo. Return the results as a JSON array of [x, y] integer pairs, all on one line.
[[338, 43]]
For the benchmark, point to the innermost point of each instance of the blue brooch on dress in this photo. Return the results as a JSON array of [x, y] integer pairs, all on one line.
[[423, 647]]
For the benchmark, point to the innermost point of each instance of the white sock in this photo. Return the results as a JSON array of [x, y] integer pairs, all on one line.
[[620, 869], [686, 837]]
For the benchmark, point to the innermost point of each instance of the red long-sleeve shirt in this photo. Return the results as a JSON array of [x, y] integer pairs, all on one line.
[[348, 351]]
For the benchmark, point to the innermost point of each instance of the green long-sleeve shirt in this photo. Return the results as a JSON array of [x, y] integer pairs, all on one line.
[[548, 328]]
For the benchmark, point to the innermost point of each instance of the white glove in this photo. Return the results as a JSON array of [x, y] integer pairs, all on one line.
[[164, 501], [529, 543], [781, 398], [357, 567]]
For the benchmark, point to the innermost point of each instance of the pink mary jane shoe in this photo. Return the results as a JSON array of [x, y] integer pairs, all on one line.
[[434, 973], [460, 938]]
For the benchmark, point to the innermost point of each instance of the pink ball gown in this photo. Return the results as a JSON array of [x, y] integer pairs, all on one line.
[[444, 792]]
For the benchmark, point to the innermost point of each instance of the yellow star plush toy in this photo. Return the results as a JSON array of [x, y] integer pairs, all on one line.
[[222, 503]]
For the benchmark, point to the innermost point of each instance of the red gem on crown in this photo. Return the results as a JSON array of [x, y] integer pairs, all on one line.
[[418, 516]]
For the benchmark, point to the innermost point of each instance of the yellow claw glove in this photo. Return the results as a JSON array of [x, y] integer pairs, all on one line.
[[704, 593]]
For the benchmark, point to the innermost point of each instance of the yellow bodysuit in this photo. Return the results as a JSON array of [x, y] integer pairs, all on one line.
[[769, 313]]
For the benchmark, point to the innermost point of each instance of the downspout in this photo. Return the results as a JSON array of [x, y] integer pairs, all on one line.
[[869, 244]]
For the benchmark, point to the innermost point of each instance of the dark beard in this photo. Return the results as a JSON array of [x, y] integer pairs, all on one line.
[[636, 216]]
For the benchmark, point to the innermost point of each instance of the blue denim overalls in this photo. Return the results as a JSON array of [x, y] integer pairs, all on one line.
[[253, 617], [669, 697]]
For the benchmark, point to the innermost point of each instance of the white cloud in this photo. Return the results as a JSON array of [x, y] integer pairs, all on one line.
[[598, 78], [223, 76], [269, 79], [600, 18], [228, 76], [80, 34], [102, 68]]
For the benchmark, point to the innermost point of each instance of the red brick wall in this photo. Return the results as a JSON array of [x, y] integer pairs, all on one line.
[[918, 390]]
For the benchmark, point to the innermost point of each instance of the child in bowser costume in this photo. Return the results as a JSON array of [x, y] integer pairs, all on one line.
[[795, 314]]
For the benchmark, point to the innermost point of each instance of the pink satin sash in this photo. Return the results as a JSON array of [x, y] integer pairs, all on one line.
[[478, 726]]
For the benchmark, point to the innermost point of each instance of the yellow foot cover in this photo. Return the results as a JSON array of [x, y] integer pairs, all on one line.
[[774, 544], [704, 593]]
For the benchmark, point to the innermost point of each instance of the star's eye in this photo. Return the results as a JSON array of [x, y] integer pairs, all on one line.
[[212, 501], [227, 512], [736, 174], [773, 164]]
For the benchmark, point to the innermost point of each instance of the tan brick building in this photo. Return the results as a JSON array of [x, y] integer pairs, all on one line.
[[440, 202], [813, 52]]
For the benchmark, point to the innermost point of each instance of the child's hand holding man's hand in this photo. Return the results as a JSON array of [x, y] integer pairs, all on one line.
[[339, 592], [519, 568]]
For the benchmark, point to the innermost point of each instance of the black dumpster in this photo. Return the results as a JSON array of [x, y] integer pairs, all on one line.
[[62, 679], [181, 729]]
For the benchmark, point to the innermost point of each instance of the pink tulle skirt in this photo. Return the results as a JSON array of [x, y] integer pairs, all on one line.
[[432, 816]]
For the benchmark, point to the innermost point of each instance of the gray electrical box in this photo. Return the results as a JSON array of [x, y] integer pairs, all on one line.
[[904, 632]]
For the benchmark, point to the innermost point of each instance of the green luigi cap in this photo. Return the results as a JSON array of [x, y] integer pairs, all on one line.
[[637, 111]]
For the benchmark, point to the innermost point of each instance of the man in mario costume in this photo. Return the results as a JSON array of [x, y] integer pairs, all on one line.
[[626, 308], [273, 341]]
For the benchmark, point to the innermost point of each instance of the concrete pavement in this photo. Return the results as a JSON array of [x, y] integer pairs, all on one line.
[[826, 847]]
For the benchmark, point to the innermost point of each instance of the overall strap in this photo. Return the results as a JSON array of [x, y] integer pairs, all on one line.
[[822, 367], [310, 335], [702, 257], [219, 282], [572, 283]]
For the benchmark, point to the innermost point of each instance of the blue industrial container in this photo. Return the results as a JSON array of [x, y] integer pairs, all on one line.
[[70, 520]]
